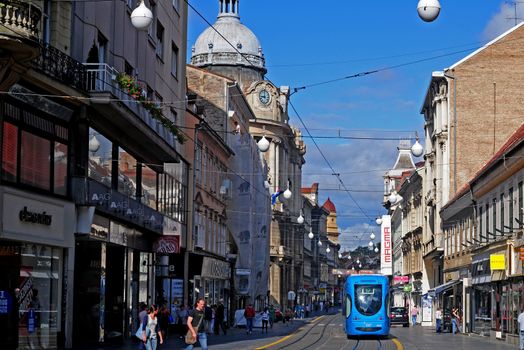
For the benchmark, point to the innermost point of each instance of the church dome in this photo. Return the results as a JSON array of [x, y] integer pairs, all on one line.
[[211, 49], [329, 206]]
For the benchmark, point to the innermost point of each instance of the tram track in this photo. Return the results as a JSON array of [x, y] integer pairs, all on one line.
[[308, 332], [358, 343]]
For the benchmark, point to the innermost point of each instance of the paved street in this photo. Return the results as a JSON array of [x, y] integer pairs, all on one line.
[[326, 332]]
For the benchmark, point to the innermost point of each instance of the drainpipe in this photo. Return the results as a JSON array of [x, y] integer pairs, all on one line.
[[454, 130]]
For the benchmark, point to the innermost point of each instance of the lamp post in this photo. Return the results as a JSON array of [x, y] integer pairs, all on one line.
[[141, 17]]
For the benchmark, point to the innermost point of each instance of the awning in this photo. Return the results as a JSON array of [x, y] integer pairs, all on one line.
[[443, 287]]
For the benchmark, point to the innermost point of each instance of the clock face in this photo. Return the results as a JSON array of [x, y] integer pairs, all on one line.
[[264, 97]]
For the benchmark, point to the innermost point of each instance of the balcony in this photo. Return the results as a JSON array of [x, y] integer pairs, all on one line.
[[125, 113], [19, 18], [117, 113], [19, 23]]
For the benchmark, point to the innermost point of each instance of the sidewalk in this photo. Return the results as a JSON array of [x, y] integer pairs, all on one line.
[[234, 335]]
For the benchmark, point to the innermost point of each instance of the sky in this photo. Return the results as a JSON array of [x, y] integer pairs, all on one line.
[[308, 42]]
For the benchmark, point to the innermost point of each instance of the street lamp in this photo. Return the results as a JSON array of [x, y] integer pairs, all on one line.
[[370, 245], [310, 234], [376, 249], [319, 243], [372, 236], [428, 10], [417, 150], [141, 17], [300, 218], [393, 197], [287, 192], [328, 250], [263, 143], [378, 221], [94, 144]]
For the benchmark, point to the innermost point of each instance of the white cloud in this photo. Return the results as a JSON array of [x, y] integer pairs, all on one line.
[[502, 21]]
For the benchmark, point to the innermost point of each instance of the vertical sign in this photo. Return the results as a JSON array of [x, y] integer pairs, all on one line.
[[386, 247]]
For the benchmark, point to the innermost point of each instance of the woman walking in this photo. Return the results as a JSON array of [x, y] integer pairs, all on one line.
[[265, 319], [151, 330]]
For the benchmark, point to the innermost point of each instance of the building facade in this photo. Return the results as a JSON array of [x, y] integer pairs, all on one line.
[[97, 212]]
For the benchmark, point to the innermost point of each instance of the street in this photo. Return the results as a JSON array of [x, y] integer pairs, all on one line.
[[327, 332]]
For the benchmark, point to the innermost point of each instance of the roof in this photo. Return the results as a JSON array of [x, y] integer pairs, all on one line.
[[329, 206], [312, 189]]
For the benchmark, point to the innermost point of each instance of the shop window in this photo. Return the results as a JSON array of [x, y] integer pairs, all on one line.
[[510, 208], [39, 299], [521, 205], [100, 158]]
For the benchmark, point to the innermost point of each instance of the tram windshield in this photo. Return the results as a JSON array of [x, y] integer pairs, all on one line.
[[368, 298]]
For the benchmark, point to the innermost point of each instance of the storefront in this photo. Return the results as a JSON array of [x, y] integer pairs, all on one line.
[[35, 244], [114, 273], [481, 306]]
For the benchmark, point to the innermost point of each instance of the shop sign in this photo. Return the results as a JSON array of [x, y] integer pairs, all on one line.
[[9, 250], [167, 245], [291, 295], [400, 279], [497, 262], [521, 254], [35, 218], [407, 288], [214, 268], [6, 302], [386, 248], [177, 288], [171, 227]]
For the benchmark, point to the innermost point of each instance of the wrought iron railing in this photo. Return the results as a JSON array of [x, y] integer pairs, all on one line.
[[61, 67], [20, 17]]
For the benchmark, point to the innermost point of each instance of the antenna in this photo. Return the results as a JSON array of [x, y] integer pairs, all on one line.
[[515, 4]]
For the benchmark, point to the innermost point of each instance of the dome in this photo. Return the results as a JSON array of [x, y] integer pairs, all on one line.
[[329, 206], [211, 49]]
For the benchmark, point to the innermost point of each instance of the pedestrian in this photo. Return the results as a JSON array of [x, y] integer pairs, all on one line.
[[521, 329], [150, 329], [438, 320], [142, 314], [249, 314], [195, 323], [213, 319], [414, 313], [455, 320], [183, 313], [265, 319], [163, 320], [219, 319], [308, 309], [208, 316], [271, 315]]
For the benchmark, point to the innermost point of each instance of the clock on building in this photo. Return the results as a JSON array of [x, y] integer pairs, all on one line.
[[264, 97]]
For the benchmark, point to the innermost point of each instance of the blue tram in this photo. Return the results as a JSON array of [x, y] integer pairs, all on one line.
[[366, 306]]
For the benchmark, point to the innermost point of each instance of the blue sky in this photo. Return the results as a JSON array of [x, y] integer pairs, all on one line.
[[306, 42]]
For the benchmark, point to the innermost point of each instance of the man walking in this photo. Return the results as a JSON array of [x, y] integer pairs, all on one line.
[[249, 314], [196, 325], [521, 329]]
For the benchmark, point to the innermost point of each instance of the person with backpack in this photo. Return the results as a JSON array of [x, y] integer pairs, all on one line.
[[249, 314]]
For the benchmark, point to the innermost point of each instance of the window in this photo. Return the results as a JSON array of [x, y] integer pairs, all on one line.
[[159, 40], [37, 158], [149, 186], [521, 205], [9, 152], [172, 193], [100, 158], [151, 29], [174, 60], [46, 25], [494, 216], [368, 299], [127, 171], [130, 4], [480, 224], [486, 237], [510, 208], [502, 205], [128, 69]]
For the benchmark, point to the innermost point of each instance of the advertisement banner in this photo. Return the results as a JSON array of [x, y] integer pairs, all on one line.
[[386, 247], [497, 262]]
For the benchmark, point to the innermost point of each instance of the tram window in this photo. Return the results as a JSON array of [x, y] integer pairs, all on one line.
[[368, 299], [348, 306]]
